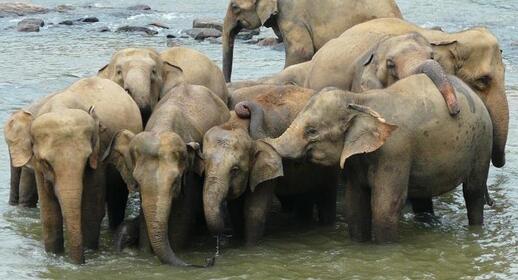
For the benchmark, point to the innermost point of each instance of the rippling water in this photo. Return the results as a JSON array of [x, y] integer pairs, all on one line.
[[34, 64]]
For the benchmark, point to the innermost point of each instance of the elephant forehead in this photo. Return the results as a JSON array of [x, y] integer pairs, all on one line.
[[68, 123], [157, 144], [136, 61], [244, 4]]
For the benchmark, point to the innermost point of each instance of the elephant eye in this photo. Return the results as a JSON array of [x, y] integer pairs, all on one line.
[[119, 72], [234, 170], [311, 133], [483, 82], [235, 7], [153, 71], [390, 64]]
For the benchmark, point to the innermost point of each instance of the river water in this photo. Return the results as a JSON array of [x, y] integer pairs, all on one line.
[[35, 64]]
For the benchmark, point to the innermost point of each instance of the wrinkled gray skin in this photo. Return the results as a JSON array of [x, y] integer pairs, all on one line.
[[165, 163], [392, 144], [246, 174], [63, 143], [304, 25], [293, 75]]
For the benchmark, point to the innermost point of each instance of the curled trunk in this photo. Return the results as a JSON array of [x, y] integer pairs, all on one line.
[[249, 109], [435, 72]]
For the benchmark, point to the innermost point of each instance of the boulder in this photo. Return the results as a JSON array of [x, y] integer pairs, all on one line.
[[247, 34], [159, 25], [67, 22], [202, 33], [170, 36], [208, 23], [64, 8], [139, 8], [89, 19], [21, 9], [30, 25], [103, 29], [128, 28]]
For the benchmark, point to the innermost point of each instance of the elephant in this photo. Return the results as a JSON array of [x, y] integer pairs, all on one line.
[[245, 174], [293, 75], [197, 68], [63, 143], [473, 55], [303, 25], [23, 190], [392, 144], [164, 163]]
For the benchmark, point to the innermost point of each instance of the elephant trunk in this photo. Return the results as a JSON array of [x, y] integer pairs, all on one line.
[[290, 144], [156, 214], [250, 109], [138, 84], [435, 72], [69, 190], [214, 192], [230, 29], [498, 109], [14, 195]]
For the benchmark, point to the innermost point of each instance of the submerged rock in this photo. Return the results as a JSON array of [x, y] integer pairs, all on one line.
[[80, 21], [159, 25], [139, 8], [128, 28], [247, 34], [67, 22], [89, 19], [103, 29], [208, 23], [268, 42], [202, 33], [30, 25], [21, 9]]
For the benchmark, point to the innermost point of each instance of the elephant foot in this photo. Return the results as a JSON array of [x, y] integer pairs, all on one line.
[[127, 234]]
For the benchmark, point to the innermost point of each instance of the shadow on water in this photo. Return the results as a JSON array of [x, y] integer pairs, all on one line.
[[443, 248]]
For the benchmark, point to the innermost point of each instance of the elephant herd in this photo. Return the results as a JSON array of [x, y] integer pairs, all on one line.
[[394, 111]]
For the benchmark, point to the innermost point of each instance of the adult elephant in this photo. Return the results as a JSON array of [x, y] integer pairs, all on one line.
[[147, 75], [473, 55], [165, 162], [197, 68], [63, 143], [304, 25], [246, 174], [392, 144]]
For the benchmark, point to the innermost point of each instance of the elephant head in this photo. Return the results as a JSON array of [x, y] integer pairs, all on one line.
[[475, 57], [327, 133], [398, 57], [157, 163], [234, 164], [142, 73], [62, 147], [241, 14]]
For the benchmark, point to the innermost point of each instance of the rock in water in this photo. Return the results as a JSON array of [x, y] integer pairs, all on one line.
[[30, 25], [89, 19], [139, 8], [64, 8], [128, 28], [202, 33], [21, 9], [208, 23], [159, 25]]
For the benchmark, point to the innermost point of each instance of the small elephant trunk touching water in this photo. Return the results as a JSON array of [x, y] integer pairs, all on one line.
[[214, 192], [230, 29], [435, 72]]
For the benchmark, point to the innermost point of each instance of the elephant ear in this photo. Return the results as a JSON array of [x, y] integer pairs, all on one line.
[[366, 133], [196, 163], [118, 154], [266, 165], [105, 72], [17, 133], [172, 75], [365, 74], [96, 140], [266, 9], [446, 53]]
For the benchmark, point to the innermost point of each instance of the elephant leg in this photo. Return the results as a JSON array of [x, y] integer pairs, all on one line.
[[298, 44], [422, 205], [127, 234], [28, 190], [15, 185], [51, 217], [93, 208], [389, 193], [358, 211], [257, 205], [116, 197], [474, 190], [304, 205], [326, 204]]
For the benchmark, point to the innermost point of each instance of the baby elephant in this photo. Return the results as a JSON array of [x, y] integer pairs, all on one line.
[[392, 144], [246, 173], [164, 162]]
